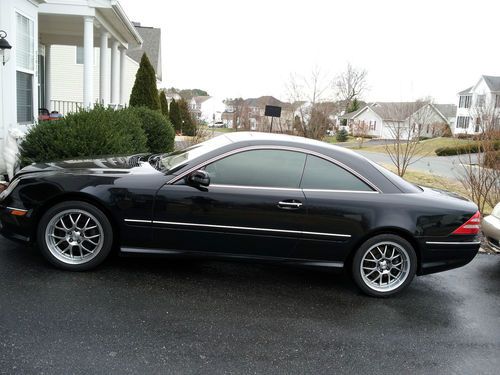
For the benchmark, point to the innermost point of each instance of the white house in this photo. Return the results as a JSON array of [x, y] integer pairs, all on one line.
[[33, 27], [207, 109], [66, 71], [381, 119], [483, 96]]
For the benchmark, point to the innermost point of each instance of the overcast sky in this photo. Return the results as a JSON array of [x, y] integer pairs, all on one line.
[[410, 49]]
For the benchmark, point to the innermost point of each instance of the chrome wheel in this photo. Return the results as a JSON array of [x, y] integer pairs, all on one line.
[[385, 266], [74, 236]]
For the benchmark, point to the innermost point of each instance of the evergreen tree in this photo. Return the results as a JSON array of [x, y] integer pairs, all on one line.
[[163, 103], [144, 93], [342, 135], [175, 116], [188, 123], [354, 106]]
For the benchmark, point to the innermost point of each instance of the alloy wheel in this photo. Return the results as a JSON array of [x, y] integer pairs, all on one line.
[[74, 236]]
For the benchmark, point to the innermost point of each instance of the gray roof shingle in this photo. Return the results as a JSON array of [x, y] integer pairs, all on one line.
[[492, 82], [151, 46]]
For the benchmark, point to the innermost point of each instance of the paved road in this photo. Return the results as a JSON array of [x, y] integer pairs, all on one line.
[[164, 316]]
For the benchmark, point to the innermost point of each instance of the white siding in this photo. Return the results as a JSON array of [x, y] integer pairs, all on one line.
[[368, 115], [131, 67], [67, 75]]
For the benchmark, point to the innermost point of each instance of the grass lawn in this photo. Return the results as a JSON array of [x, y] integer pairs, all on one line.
[[438, 182], [222, 130], [425, 148]]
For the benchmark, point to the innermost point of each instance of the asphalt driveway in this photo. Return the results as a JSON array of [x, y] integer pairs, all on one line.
[[164, 316]]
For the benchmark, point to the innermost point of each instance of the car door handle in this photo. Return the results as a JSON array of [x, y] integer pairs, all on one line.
[[289, 205]]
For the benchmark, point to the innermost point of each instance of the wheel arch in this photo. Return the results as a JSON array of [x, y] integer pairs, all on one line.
[[401, 232], [75, 196]]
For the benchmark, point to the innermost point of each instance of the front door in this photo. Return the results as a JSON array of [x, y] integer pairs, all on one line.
[[252, 207]]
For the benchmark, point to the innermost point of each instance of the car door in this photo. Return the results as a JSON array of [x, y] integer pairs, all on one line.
[[253, 206], [339, 210]]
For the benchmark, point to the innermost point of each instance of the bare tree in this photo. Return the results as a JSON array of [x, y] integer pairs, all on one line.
[[308, 96], [350, 84], [406, 122], [480, 174], [360, 129]]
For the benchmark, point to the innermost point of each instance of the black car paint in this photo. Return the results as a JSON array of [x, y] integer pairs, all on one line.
[[127, 189]]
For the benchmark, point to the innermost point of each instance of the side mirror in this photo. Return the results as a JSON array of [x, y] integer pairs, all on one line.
[[199, 178]]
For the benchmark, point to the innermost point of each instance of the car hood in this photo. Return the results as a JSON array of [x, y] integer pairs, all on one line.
[[110, 165]]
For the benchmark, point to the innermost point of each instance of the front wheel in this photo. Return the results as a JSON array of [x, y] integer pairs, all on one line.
[[75, 236], [384, 265]]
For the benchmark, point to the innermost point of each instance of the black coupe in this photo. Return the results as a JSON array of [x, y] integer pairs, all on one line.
[[246, 196]]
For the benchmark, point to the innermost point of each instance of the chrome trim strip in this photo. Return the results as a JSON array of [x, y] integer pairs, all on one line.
[[17, 209], [340, 191], [252, 187], [250, 228], [138, 221], [452, 243], [276, 147]]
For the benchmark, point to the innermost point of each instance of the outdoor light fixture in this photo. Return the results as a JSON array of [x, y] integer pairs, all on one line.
[[4, 47]]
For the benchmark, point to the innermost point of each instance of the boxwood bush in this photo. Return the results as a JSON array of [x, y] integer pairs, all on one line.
[[87, 133], [472, 147], [159, 131]]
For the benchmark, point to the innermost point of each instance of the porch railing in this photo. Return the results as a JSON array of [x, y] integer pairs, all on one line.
[[64, 107]]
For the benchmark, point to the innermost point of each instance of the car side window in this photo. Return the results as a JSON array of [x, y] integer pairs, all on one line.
[[266, 168], [322, 174]]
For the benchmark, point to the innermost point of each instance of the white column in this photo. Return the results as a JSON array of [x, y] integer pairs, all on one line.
[[48, 77], [123, 99], [88, 61], [104, 69], [115, 73]]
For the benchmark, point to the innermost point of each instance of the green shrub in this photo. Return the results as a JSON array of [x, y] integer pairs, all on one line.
[[342, 135], [471, 148], [87, 133], [159, 132]]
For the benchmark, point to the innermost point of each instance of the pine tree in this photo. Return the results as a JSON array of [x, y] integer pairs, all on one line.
[[188, 123], [144, 93], [175, 116], [163, 103], [354, 106]]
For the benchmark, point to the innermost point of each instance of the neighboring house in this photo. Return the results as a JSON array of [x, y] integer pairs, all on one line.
[[67, 71], [207, 109], [253, 115], [386, 119], [484, 96], [33, 27]]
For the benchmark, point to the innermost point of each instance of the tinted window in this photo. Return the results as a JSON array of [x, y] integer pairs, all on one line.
[[269, 168], [322, 174]]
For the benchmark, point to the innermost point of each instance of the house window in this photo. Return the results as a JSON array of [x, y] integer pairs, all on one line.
[[480, 100], [79, 55], [463, 122], [24, 97], [25, 68], [373, 124], [464, 101]]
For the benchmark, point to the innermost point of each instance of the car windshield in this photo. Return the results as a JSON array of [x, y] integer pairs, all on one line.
[[175, 160]]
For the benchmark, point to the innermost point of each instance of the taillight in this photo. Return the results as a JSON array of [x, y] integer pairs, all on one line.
[[471, 226]]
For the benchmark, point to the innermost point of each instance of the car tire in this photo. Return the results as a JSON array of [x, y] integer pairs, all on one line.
[[384, 265], [75, 236]]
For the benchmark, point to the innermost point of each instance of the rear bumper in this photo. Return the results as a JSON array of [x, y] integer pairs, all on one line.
[[442, 255]]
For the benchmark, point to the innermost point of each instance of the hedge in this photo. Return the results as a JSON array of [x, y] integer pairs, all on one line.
[[472, 147], [159, 131]]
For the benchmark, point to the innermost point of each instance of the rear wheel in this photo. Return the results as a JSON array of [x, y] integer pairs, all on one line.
[[75, 236], [384, 265]]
